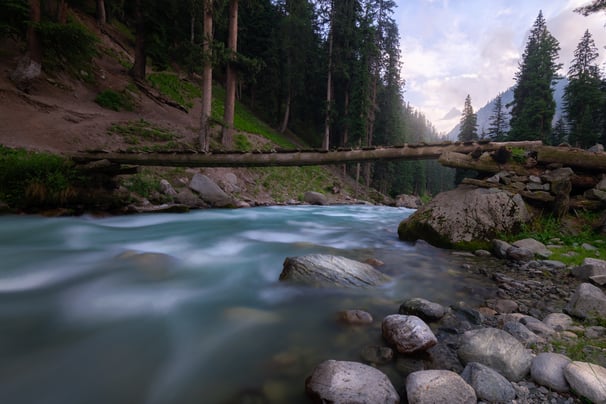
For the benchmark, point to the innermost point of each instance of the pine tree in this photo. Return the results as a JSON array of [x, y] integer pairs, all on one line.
[[497, 124], [533, 103], [559, 134], [583, 97], [469, 122]]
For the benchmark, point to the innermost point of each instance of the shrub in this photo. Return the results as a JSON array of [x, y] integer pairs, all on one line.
[[114, 100]]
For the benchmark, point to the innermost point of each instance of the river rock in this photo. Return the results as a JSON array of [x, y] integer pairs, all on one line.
[[588, 380], [588, 301], [330, 271], [408, 201], [438, 386], [522, 333], [496, 349], [315, 198], [355, 317], [558, 321], [500, 248], [442, 357], [547, 369], [166, 188], [465, 214], [378, 355], [426, 310], [488, 384], [341, 382], [537, 326], [209, 191], [591, 269], [520, 254], [407, 333], [535, 246]]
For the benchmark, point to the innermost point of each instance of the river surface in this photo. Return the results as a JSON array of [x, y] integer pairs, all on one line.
[[188, 308]]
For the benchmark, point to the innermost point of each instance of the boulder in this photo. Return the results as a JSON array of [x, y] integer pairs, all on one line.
[[209, 191], [496, 349], [315, 198], [464, 215], [331, 271], [426, 310], [407, 333], [488, 384], [558, 321], [408, 201], [355, 317], [547, 369], [438, 386], [377, 355], [535, 246], [520, 254], [588, 301], [592, 269], [537, 326], [522, 333], [341, 382], [166, 188], [588, 380], [500, 248]]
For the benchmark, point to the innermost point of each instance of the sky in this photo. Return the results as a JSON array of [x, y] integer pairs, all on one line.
[[451, 48]]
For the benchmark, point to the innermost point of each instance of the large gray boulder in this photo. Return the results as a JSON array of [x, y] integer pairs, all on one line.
[[535, 246], [464, 215], [331, 271], [496, 349], [588, 301], [408, 334], [209, 191], [592, 269], [315, 198], [547, 369], [489, 384], [340, 382], [438, 386], [588, 380]]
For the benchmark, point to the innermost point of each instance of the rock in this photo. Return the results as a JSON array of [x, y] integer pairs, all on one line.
[[482, 253], [408, 201], [331, 271], [463, 215], [553, 264], [438, 386], [537, 326], [378, 355], [209, 191], [591, 268], [426, 310], [341, 382], [558, 321], [535, 246], [602, 184], [588, 380], [522, 333], [442, 357], [355, 317], [588, 301], [596, 148], [496, 349], [488, 384], [26, 72], [505, 306], [166, 188], [547, 369], [407, 333], [500, 248], [315, 198], [520, 254], [187, 197]]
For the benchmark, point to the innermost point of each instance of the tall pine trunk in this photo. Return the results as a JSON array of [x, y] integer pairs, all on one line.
[[138, 69], [30, 65], [286, 116], [329, 89], [232, 77], [101, 15], [207, 77]]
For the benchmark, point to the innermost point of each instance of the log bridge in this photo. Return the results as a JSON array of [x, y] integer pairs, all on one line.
[[422, 151]]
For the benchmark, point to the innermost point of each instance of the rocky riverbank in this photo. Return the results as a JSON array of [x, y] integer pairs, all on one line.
[[541, 339]]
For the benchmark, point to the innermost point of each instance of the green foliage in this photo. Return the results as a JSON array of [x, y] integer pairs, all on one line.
[[181, 91], [13, 18], [143, 184], [242, 143], [285, 183], [67, 46], [117, 101], [135, 132], [469, 122], [518, 155], [35, 179]]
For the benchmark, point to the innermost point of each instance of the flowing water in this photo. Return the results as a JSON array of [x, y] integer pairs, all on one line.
[[188, 308]]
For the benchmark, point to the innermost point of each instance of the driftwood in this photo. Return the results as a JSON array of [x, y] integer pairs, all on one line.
[[288, 158]]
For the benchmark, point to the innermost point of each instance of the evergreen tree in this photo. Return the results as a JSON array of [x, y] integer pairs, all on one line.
[[583, 97], [559, 134], [497, 125], [533, 103], [594, 7], [469, 122]]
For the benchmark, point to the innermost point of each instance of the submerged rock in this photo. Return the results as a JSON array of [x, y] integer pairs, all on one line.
[[341, 382], [464, 215], [330, 271]]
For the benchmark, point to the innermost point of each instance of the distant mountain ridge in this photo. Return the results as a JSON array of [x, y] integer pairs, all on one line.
[[485, 113]]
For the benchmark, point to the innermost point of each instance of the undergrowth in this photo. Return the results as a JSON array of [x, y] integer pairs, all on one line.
[[116, 101], [171, 85]]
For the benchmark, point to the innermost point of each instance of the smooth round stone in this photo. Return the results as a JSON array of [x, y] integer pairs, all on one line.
[[422, 308], [407, 333], [547, 369], [438, 386]]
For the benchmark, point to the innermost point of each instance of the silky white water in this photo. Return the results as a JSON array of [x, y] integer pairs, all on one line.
[[188, 308]]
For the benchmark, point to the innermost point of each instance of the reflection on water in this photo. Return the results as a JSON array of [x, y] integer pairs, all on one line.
[[187, 308]]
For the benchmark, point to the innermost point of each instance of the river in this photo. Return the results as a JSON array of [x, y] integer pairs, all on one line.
[[188, 308]]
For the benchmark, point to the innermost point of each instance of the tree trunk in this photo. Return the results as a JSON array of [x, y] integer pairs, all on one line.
[[326, 138], [138, 69], [207, 77], [286, 117], [62, 12], [232, 76], [30, 65], [101, 15]]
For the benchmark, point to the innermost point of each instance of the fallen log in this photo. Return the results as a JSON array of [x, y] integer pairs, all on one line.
[[572, 157], [483, 164]]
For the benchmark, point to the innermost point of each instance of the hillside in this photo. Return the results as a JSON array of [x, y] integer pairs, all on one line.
[[59, 115]]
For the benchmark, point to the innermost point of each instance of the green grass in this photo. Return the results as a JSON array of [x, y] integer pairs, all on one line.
[[143, 184], [284, 183], [180, 91], [116, 101], [134, 132]]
